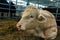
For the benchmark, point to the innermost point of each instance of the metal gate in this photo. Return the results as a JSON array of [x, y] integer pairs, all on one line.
[[10, 9]]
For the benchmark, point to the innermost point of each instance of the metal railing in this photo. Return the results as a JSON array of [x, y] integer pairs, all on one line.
[[18, 9]]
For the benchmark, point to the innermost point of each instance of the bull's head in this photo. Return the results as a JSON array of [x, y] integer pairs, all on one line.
[[30, 19], [36, 21]]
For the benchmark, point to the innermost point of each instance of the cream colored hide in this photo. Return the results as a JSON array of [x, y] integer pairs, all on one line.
[[40, 23]]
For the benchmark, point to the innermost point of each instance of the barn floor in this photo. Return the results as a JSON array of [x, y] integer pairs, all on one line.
[[8, 31]]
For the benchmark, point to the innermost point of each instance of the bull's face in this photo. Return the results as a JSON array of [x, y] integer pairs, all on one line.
[[27, 21], [30, 20]]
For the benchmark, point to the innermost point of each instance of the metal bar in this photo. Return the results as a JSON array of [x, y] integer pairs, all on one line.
[[38, 3], [27, 2], [5, 4], [16, 6], [9, 7], [57, 8]]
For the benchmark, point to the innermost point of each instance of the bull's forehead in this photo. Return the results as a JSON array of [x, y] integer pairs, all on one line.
[[30, 10], [30, 13]]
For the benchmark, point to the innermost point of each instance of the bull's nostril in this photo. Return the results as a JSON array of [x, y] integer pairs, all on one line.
[[19, 25]]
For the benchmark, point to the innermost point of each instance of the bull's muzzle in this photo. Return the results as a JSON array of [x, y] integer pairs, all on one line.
[[20, 27]]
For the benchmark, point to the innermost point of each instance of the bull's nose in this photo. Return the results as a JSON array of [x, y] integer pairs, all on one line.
[[18, 26]]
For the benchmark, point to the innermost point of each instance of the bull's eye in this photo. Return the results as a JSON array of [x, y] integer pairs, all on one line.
[[31, 16]]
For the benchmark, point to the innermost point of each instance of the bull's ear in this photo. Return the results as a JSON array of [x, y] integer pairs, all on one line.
[[42, 18]]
